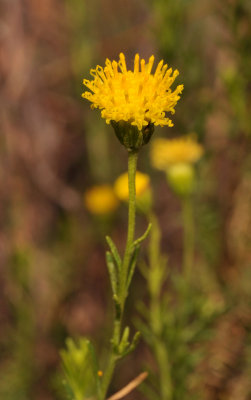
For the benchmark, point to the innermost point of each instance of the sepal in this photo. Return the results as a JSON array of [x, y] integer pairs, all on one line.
[[130, 136]]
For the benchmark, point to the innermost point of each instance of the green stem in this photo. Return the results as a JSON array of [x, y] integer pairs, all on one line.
[[123, 290], [132, 165], [188, 223], [156, 281], [166, 388], [160, 350]]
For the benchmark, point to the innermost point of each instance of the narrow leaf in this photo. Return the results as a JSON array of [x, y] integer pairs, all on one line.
[[112, 271], [94, 363], [141, 238], [132, 265], [135, 340], [114, 251], [123, 346], [133, 344]]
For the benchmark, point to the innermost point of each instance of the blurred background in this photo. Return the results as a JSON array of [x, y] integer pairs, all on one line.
[[53, 278]]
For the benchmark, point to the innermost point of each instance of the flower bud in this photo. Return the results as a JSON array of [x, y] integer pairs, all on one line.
[[181, 178]]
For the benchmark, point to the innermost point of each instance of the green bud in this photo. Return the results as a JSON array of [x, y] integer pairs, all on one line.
[[130, 136], [124, 341], [181, 178]]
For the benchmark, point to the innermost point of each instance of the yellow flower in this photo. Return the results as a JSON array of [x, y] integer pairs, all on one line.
[[137, 97], [165, 153], [100, 199], [142, 183]]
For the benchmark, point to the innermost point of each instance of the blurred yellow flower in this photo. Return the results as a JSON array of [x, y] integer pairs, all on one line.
[[101, 199], [137, 96], [165, 153], [142, 183]]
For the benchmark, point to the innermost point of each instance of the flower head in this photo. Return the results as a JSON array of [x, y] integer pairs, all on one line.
[[100, 199], [138, 97], [165, 153], [142, 183]]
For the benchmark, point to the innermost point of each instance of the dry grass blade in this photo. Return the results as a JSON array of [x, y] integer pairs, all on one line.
[[129, 387]]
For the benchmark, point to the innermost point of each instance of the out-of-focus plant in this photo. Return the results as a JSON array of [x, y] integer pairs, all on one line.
[[236, 77], [179, 314], [18, 374], [133, 102], [177, 157], [101, 200], [81, 369], [143, 190], [175, 324], [179, 29]]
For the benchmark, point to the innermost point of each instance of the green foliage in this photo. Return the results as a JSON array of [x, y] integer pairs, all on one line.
[[114, 263], [236, 18], [18, 371], [175, 325], [210, 44], [179, 32], [208, 232], [80, 370]]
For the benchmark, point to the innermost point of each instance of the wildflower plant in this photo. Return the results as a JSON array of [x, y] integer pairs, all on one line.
[[133, 102]]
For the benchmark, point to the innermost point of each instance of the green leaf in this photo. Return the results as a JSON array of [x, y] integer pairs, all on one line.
[[124, 343], [132, 265], [143, 237], [134, 343], [112, 272], [114, 251]]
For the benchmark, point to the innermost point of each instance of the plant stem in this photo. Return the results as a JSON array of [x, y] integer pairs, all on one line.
[[160, 349], [123, 290], [164, 369], [155, 283], [132, 165], [188, 223]]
